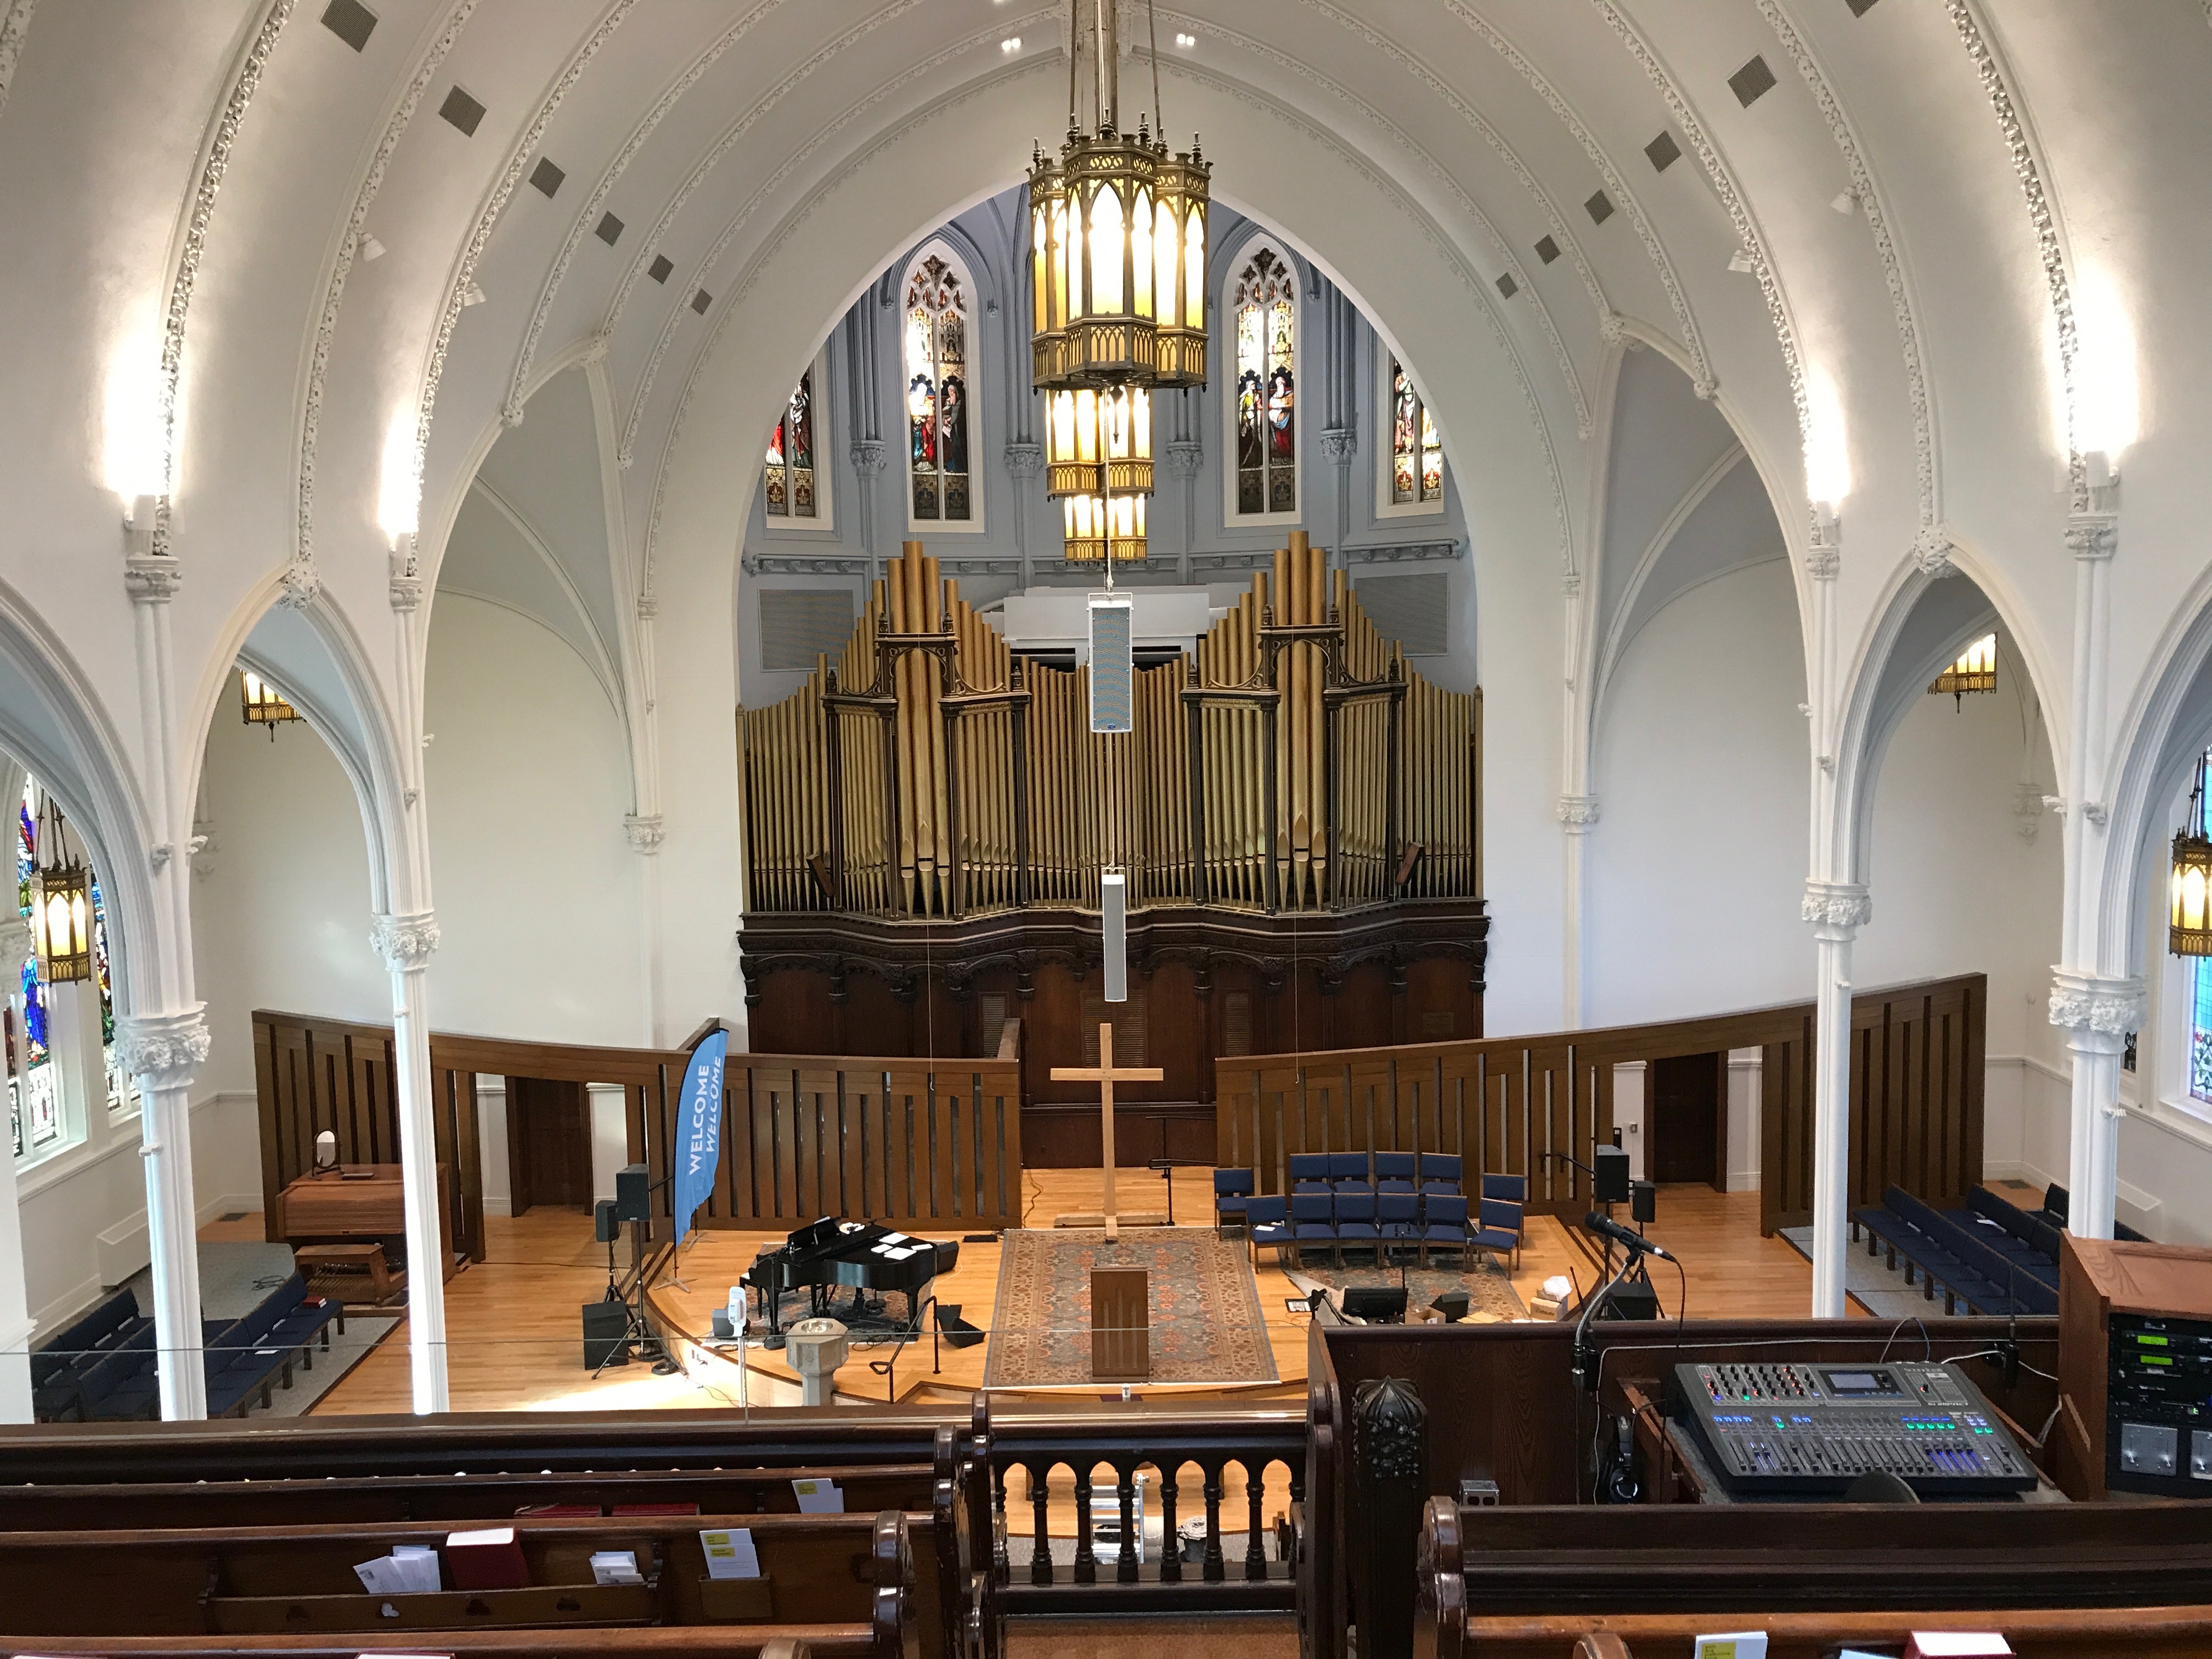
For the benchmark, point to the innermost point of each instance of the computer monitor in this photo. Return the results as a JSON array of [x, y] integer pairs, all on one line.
[[1378, 1305]]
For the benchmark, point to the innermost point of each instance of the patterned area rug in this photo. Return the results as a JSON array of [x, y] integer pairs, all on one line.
[[1489, 1287], [1206, 1322]]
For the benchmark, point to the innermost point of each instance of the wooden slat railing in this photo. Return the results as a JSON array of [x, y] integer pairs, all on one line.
[[1504, 1104]]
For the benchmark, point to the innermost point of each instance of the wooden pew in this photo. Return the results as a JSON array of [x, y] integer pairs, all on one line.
[[653, 1641], [846, 1571], [1707, 1563], [2182, 1632]]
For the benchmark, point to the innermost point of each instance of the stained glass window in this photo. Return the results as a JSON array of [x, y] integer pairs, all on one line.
[[34, 1101], [2200, 999], [937, 404], [1265, 311], [790, 485], [1417, 454]]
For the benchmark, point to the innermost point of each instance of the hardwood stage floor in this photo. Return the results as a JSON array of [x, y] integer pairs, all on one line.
[[514, 1342]]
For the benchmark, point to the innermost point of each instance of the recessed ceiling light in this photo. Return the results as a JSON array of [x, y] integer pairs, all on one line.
[[1185, 39], [1011, 43]]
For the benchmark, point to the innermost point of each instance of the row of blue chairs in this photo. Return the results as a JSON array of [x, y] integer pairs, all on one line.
[[1383, 1222]]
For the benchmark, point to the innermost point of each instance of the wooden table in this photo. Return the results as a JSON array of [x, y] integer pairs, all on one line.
[[359, 1201]]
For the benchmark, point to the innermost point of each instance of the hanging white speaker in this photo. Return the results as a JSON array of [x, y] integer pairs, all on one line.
[[1113, 933], [1113, 662]]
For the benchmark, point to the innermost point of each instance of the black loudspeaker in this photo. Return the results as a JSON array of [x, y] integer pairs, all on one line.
[[634, 1194], [606, 1225], [1378, 1305], [605, 1324], [1643, 1200], [1453, 1305], [1635, 1299], [1611, 1186], [959, 1332]]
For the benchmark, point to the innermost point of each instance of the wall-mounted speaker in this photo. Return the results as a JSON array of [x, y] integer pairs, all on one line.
[[1113, 933], [634, 1194], [1113, 662], [1611, 1184]]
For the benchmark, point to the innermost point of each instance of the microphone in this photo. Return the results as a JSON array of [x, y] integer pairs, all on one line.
[[1607, 1227]]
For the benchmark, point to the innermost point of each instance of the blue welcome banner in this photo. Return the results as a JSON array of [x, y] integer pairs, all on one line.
[[699, 1129]]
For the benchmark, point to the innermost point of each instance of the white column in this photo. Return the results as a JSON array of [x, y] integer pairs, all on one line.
[[607, 1116], [2097, 1015], [163, 1052], [2091, 997], [406, 943], [1746, 1070], [1837, 910], [1577, 806], [163, 1038], [646, 830], [1628, 1114]]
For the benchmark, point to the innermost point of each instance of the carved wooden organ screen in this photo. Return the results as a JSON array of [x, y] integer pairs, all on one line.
[[1292, 762]]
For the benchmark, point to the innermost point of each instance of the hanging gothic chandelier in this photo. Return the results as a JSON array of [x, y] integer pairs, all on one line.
[[61, 900], [261, 704], [1975, 671], [1098, 453], [2190, 930]]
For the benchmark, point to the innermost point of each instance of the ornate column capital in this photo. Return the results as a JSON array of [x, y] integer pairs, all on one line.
[[2087, 1003], [1931, 553], [1836, 904], [404, 941], [868, 456], [1185, 458], [164, 1050], [303, 581], [152, 578], [2092, 535], [1338, 444], [1577, 811], [1824, 551], [1025, 460], [646, 830], [406, 575], [15, 946]]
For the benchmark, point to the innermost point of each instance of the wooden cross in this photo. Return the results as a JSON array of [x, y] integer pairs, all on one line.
[[1105, 1075]]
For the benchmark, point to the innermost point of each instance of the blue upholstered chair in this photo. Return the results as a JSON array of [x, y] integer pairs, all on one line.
[[1393, 1172], [1443, 1223], [1513, 1188], [1500, 1227], [1313, 1221], [1355, 1223], [1440, 1172], [1232, 1190], [1309, 1172], [1266, 1222], [1398, 1218], [1347, 1173]]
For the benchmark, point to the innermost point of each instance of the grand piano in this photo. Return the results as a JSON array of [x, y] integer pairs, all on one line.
[[862, 1256]]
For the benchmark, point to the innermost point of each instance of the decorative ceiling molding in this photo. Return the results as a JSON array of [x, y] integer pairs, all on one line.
[[300, 580], [625, 451], [1732, 198], [722, 146], [1928, 476], [518, 389], [1616, 186], [215, 160], [2020, 141], [15, 24], [1562, 232], [463, 277], [1398, 136]]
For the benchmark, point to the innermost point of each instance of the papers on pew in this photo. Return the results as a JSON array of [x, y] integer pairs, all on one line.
[[819, 1497], [1957, 1644], [731, 1555], [411, 1569], [1742, 1644], [616, 1567]]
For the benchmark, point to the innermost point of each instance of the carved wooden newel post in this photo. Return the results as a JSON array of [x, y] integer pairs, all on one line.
[[1389, 1429]]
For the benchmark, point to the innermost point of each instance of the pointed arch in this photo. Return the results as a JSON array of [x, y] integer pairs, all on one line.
[[938, 368]]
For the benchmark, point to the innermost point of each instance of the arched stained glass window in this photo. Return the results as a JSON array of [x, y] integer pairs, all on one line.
[[34, 1102], [1263, 310], [1417, 454], [790, 481], [939, 418]]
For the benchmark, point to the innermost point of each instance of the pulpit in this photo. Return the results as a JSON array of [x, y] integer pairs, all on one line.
[[1120, 1324]]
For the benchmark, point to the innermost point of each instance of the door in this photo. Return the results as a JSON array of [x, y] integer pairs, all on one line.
[[549, 1145], [1683, 1123]]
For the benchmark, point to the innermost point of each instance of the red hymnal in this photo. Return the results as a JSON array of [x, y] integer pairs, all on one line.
[[487, 1558], [656, 1509]]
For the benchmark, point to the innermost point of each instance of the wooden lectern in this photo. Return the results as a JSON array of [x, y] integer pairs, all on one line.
[[1120, 1324]]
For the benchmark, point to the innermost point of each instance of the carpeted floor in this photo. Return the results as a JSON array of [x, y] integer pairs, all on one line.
[[1870, 1282], [1488, 1285], [1207, 1323]]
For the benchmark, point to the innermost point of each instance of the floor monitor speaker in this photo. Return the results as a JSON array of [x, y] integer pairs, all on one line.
[[606, 1326]]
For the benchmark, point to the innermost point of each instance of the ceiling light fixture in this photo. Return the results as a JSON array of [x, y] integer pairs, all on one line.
[[1013, 43], [1118, 251], [371, 249], [1975, 671], [1186, 40], [2190, 925]]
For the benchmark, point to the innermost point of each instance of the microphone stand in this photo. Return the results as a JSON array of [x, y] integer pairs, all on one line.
[[1585, 1361]]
